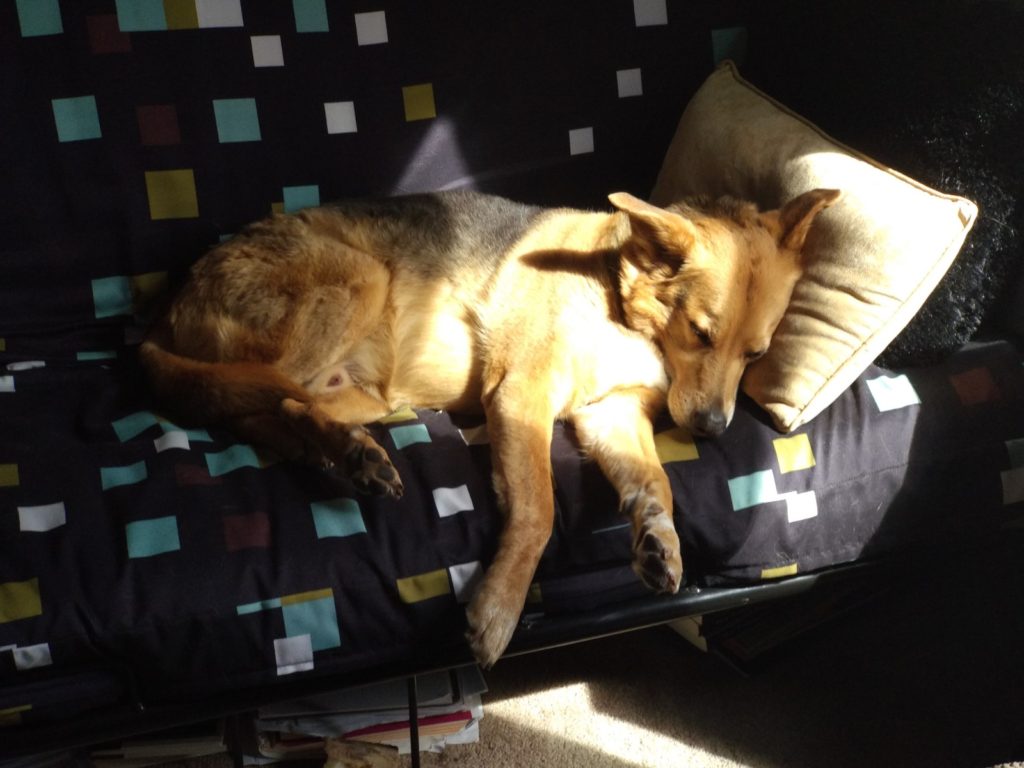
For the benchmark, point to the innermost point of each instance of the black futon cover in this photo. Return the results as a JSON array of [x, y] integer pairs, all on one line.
[[139, 558], [143, 562]]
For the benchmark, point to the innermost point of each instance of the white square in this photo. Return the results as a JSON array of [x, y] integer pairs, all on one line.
[[26, 365], [451, 501], [219, 13], [892, 392], [371, 28], [650, 13], [294, 654], [43, 518], [581, 141], [1013, 485], [801, 506], [465, 577], [341, 116], [174, 439], [33, 656], [266, 51], [6, 383], [630, 83], [476, 435]]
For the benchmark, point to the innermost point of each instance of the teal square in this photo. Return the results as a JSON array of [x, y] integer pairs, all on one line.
[[194, 435], [297, 198], [152, 537], [237, 120], [337, 518], [753, 489], [39, 17], [729, 43], [310, 16], [409, 435], [133, 424], [141, 15], [96, 354], [112, 296], [76, 118], [112, 477], [235, 457], [316, 618]]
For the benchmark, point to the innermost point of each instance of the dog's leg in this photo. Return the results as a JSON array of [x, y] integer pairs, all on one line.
[[520, 431], [616, 431], [333, 425]]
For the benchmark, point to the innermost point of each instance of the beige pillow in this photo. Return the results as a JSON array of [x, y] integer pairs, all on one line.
[[875, 256]]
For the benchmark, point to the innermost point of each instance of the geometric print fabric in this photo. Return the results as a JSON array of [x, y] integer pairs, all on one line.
[[185, 146]]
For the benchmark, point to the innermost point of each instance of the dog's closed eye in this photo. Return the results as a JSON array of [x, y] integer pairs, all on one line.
[[702, 336]]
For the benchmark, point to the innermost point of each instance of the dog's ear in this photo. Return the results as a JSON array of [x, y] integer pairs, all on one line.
[[796, 216], [667, 236]]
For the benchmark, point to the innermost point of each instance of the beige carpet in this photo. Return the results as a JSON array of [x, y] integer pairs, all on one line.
[[930, 674]]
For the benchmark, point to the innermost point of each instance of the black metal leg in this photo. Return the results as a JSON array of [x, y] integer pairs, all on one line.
[[414, 723]]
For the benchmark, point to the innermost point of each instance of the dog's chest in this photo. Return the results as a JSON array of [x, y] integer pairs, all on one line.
[[609, 358]]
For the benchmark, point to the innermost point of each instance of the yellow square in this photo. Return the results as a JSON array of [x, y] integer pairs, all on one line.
[[8, 475], [419, 102], [147, 288], [277, 207], [405, 413], [675, 445], [181, 14], [20, 600], [305, 597], [794, 453], [3, 345], [424, 586], [172, 194], [12, 716], [534, 596], [780, 571]]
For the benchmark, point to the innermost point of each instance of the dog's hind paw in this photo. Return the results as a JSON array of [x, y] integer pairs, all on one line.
[[656, 555], [369, 469]]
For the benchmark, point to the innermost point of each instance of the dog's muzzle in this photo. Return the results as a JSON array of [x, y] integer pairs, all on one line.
[[710, 422]]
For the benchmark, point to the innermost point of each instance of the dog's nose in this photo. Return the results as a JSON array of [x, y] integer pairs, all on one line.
[[709, 423]]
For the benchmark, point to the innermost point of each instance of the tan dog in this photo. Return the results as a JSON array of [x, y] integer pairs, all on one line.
[[304, 327]]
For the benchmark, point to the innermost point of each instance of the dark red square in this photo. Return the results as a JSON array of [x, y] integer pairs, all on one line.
[[158, 125], [105, 36], [189, 474], [976, 386], [250, 531]]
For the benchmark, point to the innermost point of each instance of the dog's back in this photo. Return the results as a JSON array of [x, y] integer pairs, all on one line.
[[439, 234]]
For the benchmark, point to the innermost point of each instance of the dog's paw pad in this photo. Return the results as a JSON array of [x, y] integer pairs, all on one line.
[[365, 464], [656, 559], [372, 472]]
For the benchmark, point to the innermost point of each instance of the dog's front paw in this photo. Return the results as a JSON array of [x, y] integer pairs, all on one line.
[[492, 619], [657, 559]]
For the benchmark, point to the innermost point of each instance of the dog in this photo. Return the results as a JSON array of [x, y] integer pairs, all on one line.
[[304, 327]]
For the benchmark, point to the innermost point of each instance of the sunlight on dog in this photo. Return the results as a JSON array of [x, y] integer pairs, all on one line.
[[304, 327]]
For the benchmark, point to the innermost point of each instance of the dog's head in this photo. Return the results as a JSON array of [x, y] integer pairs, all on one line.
[[708, 281]]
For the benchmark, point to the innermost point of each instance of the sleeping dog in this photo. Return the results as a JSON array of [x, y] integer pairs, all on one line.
[[304, 327]]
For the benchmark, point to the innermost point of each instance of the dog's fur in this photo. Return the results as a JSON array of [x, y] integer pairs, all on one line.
[[304, 327]]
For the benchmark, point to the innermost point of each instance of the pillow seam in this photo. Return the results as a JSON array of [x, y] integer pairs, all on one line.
[[730, 67]]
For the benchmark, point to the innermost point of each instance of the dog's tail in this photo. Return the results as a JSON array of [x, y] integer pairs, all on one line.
[[214, 392]]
